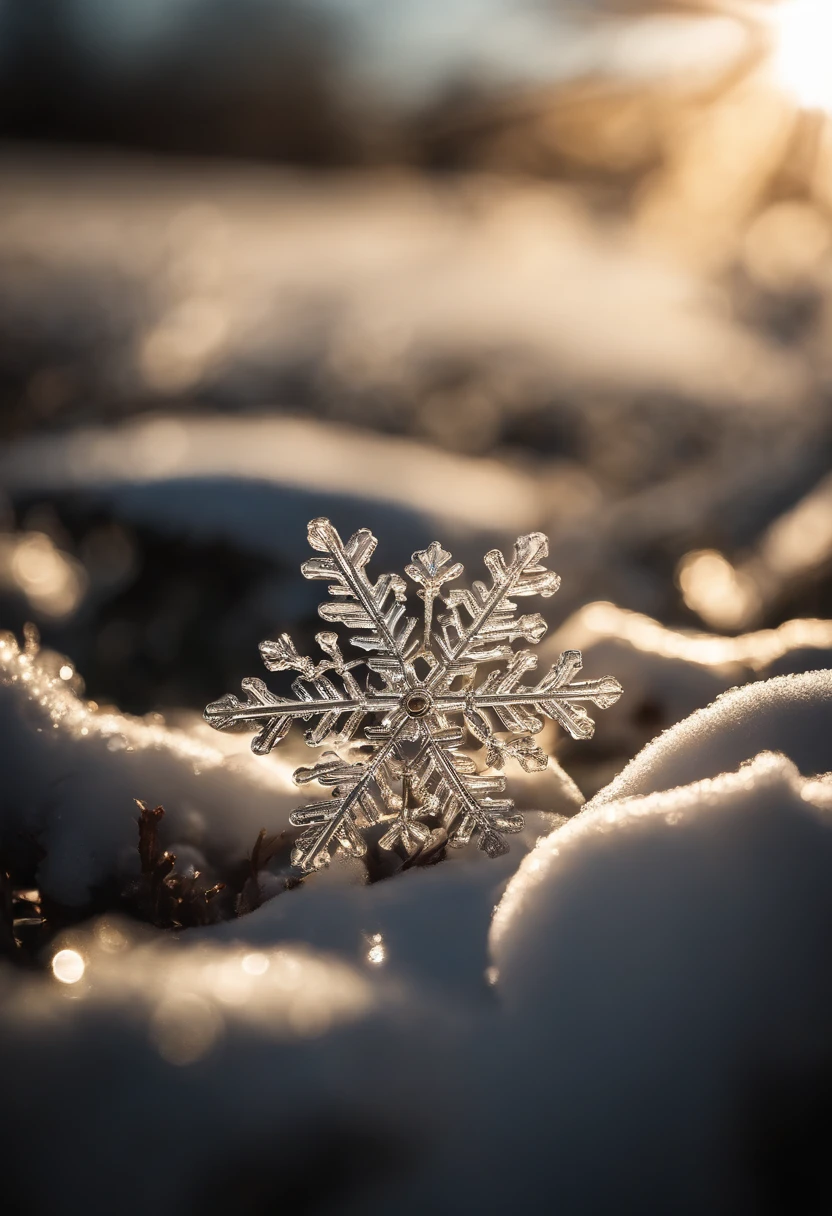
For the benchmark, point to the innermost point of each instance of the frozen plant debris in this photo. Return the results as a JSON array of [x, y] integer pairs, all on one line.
[[422, 699]]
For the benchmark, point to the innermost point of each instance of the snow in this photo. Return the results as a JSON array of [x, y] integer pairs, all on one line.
[[432, 922], [358, 271], [301, 455], [654, 981], [790, 714], [71, 775], [454, 313], [668, 673], [662, 967], [212, 1073]]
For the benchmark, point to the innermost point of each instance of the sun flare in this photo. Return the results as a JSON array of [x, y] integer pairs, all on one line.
[[803, 53]]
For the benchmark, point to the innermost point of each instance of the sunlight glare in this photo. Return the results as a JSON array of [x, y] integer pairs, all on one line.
[[803, 29]]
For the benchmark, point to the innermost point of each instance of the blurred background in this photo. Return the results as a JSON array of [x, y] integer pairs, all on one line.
[[458, 269]]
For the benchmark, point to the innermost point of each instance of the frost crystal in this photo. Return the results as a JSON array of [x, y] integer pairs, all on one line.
[[420, 700]]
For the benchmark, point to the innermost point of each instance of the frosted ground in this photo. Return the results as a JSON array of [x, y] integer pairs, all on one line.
[[629, 1012]]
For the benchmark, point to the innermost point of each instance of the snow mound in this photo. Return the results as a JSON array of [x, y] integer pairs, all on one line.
[[230, 1073], [71, 774], [654, 1033], [790, 714], [663, 969], [667, 673], [427, 926]]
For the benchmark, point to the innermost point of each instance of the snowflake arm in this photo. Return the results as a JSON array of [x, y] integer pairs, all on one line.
[[493, 626], [429, 567], [466, 793], [334, 822], [315, 696], [359, 604], [557, 696], [407, 830]]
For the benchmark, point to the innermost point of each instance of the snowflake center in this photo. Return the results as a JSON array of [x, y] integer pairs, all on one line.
[[418, 702]]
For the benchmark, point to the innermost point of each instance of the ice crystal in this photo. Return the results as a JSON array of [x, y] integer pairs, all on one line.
[[421, 701]]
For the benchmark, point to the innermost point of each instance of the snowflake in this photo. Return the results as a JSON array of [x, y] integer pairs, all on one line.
[[420, 700]]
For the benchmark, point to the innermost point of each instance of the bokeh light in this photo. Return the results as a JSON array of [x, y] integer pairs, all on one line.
[[255, 964], [68, 966], [713, 589], [53, 582], [376, 953], [185, 1028]]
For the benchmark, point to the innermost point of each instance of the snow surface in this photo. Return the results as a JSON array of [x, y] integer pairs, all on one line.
[[653, 993], [140, 464], [71, 775], [790, 714], [668, 674], [365, 263], [663, 969], [196, 1085]]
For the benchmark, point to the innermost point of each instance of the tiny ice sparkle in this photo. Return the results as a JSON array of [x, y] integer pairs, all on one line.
[[401, 724]]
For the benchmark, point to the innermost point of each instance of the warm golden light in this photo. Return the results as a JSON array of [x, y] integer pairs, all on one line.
[[68, 966], [711, 587], [803, 55]]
